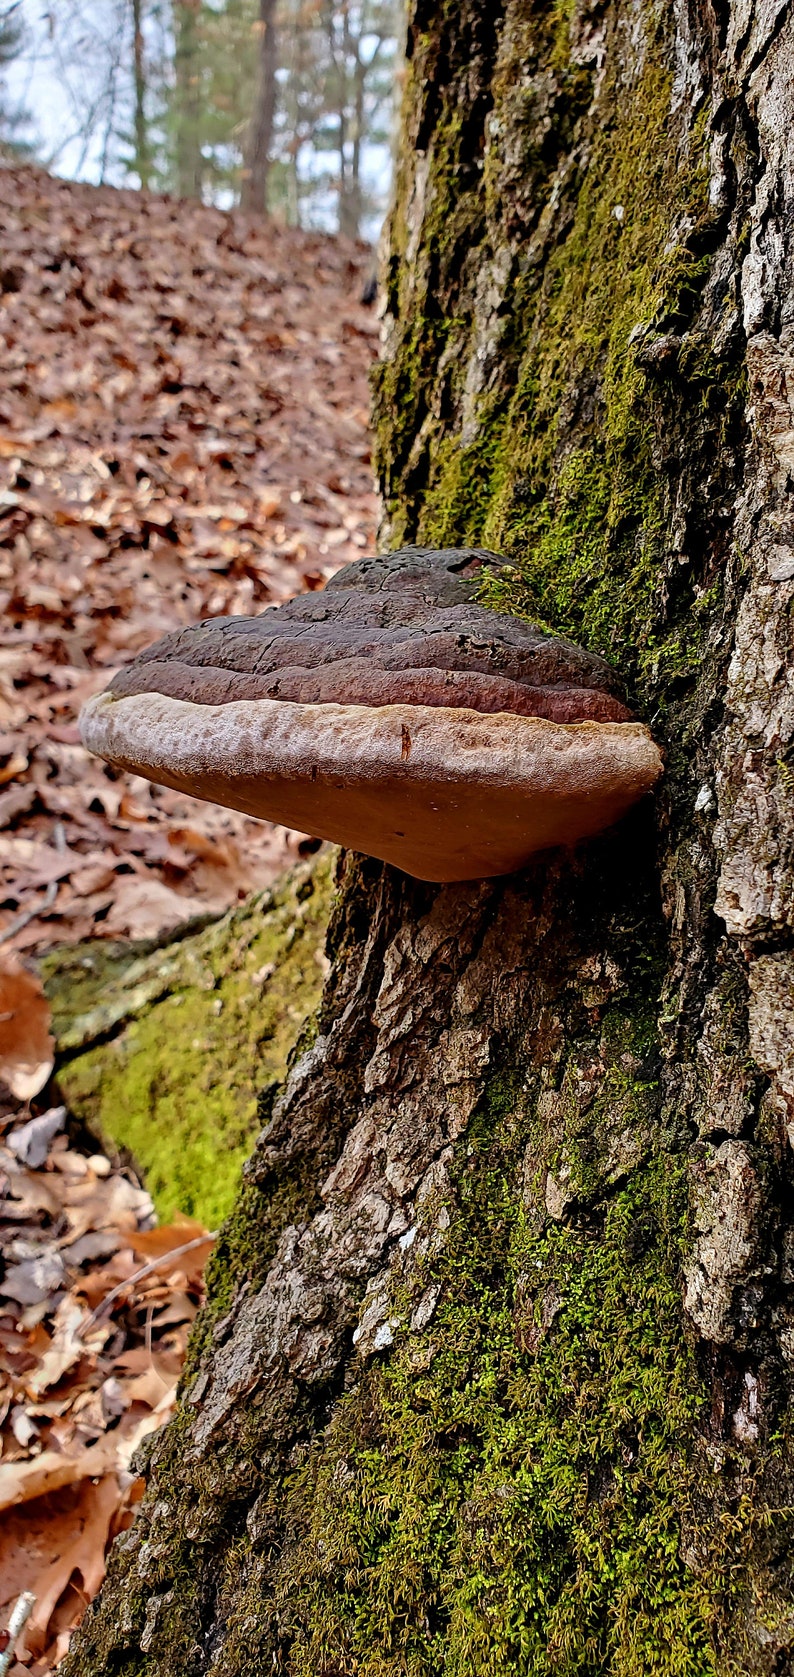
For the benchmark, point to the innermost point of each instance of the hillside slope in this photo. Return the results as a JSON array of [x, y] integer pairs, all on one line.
[[183, 433]]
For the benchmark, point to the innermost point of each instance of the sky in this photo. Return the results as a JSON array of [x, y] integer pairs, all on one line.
[[63, 77]]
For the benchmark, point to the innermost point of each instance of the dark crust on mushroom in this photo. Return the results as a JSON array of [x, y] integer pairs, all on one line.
[[398, 629], [354, 682]]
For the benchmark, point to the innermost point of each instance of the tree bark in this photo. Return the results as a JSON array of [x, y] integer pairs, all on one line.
[[257, 152], [495, 1375], [338, 55], [350, 129]]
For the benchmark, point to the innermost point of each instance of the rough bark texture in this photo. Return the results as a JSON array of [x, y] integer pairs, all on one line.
[[496, 1371]]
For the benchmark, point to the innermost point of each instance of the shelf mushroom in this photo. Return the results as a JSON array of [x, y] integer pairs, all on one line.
[[391, 714]]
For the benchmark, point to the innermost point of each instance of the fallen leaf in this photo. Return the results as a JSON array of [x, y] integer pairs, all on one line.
[[26, 1046], [43, 1546], [160, 1243], [150, 1387], [15, 765], [135, 518], [34, 1279], [143, 907], [65, 1350], [22, 1481], [30, 1143], [16, 801]]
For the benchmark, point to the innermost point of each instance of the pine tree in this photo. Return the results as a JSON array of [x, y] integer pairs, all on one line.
[[337, 100], [187, 105]]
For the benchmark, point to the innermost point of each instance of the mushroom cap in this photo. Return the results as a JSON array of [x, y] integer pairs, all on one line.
[[390, 714]]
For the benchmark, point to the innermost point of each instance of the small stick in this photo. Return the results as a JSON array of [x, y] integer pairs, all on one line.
[[139, 1275], [28, 914], [20, 1613], [15, 926]]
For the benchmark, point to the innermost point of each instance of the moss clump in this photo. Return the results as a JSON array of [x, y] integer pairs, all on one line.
[[506, 1494], [211, 1022]]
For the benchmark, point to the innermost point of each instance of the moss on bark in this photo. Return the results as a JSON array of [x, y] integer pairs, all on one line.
[[172, 1044]]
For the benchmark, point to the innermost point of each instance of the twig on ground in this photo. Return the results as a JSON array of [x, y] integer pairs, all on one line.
[[140, 1275], [24, 919], [20, 1613]]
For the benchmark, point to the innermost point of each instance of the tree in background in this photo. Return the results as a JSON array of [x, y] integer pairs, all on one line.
[[99, 69], [278, 104], [142, 140], [298, 109], [275, 104], [187, 108], [361, 46], [259, 138]]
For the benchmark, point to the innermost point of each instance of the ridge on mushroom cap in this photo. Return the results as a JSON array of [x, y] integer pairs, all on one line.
[[391, 713], [378, 624]]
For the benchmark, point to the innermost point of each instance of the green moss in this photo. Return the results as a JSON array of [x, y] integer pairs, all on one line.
[[515, 1502], [176, 1084], [567, 475], [506, 1494]]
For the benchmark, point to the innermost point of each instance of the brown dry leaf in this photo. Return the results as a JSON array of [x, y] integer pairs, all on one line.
[[159, 1243], [15, 765], [65, 1350], [39, 1475], [43, 1545], [143, 907], [151, 475], [26, 1046], [150, 1387]]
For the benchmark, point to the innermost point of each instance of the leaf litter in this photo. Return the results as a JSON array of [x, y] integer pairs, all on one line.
[[96, 1303], [183, 434]]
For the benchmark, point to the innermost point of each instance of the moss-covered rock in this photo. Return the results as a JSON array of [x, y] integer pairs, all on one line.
[[163, 1052]]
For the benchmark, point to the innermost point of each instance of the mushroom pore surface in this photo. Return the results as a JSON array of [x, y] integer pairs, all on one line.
[[390, 713]]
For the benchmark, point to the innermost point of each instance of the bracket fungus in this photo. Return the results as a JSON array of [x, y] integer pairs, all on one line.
[[391, 714]]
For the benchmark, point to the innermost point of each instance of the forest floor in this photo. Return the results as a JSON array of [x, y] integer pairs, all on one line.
[[183, 434]]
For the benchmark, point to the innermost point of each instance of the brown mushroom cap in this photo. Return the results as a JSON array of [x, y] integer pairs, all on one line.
[[391, 714]]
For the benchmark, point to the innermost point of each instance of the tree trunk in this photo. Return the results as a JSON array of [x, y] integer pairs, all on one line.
[[141, 131], [143, 155], [351, 204], [257, 151], [495, 1374], [187, 99], [338, 101], [351, 83]]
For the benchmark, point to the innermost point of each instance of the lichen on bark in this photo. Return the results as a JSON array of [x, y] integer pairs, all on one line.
[[496, 1370]]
